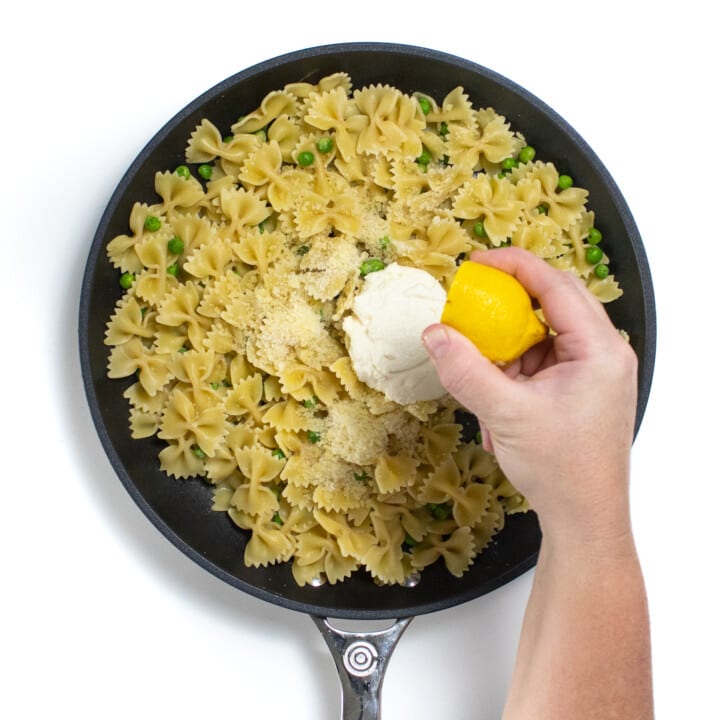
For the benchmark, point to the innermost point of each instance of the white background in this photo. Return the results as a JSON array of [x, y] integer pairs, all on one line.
[[101, 616]]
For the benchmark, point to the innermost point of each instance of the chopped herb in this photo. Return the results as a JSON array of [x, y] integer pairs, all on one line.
[[311, 402], [277, 519], [444, 129], [410, 541], [278, 453], [313, 436], [384, 242], [371, 265], [303, 250], [361, 477]]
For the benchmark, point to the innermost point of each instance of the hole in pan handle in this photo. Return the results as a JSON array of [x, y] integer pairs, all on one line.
[[361, 659]]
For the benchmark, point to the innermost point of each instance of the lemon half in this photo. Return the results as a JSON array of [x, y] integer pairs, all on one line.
[[493, 310]]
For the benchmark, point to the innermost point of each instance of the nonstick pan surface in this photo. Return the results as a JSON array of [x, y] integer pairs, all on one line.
[[181, 509]]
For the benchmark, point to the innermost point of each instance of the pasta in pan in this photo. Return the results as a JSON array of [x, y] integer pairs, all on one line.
[[236, 284]]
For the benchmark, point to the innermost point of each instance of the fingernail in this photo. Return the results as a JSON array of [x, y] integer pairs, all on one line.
[[436, 340]]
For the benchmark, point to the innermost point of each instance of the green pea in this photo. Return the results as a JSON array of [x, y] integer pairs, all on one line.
[[543, 209], [260, 134], [324, 144], [153, 223], [424, 158], [305, 158], [313, 436], [509, 163], [173, 270], [126, 280], [277, 519], [425, 105], [564, 182], [176, 245], [601, 271], [410, 541], [278, 453], [593, 254], [479, 229], [371, 265], [228, 138], [215, 385], [303, 250], [205, 171], [183, 171], [440, 511], [198, 452], [261, 227], [594, 236], [527, 154], [478, 437]]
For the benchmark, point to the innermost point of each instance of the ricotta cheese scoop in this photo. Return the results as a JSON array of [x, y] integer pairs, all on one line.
[[384, 332]]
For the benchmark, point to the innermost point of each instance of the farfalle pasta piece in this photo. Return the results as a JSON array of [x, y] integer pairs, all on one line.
[[328, 266], [456, 108], [330, 111], [259, 467], [154, 282], [305, 383], [353, 542], [183, 419], [394, 472], [494, 201], [244, 399], [179, 459], [143, 424], [289, 415], [458, 551], [387, 122], [133, 356], [121, 249], [318, 557], [564, 206], [384, 559], [335, 208], [259, 250], [128, 321], [243, 208], [285, 131], [206, 143], [179, 307], [210, 260], [440, 441], [273, 105], [268, 545], [177, 191]]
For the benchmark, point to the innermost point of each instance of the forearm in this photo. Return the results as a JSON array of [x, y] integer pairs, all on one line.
[[585, 644]]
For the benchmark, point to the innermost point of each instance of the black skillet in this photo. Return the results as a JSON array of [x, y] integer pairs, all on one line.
[[181, 510]]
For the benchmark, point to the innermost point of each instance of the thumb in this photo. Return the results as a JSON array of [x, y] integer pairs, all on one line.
[[465, 372]]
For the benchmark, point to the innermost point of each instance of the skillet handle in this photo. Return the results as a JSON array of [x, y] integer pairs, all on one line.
[[361, 659]]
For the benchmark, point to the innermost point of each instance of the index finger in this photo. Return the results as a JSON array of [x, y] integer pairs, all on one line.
[[565, 302]]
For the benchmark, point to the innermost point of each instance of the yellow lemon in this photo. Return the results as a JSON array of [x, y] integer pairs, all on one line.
[[491, 308]]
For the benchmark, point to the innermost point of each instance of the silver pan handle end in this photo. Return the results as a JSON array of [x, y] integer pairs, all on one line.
[[361, 659]]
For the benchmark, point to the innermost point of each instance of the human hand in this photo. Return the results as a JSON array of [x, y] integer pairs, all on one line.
[[560, 420]]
